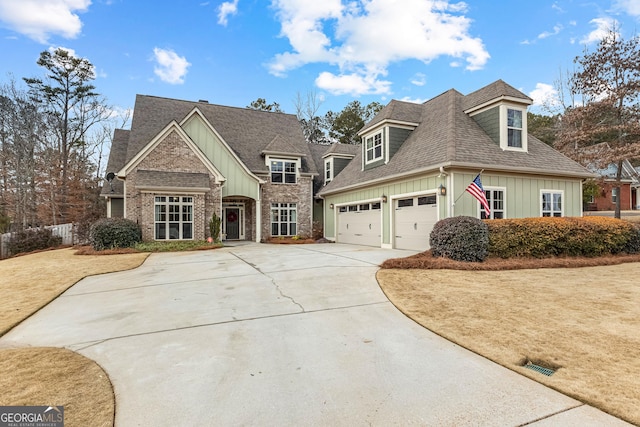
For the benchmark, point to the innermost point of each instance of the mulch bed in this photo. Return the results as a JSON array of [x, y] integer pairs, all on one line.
[[427, 261]]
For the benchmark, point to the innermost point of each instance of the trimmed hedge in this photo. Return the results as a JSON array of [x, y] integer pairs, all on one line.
[[109, 233], [461, 238], [566, 236], [32, 240]]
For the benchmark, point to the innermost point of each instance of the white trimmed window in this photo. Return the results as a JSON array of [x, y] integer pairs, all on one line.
[[284, 219], [495, 197], [173, 218], [373, 148], [614, 194], [551, 203], [328, 171], [283, 171], [514, 128]]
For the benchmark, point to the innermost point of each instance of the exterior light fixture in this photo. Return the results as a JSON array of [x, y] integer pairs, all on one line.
[[442, 190], [331, 206], [384, 199]]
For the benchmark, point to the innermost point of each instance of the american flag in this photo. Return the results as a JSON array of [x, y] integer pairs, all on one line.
[[476, 190]]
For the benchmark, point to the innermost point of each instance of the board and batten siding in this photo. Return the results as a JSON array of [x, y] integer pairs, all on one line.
[[522, 195], [489, 121], [238, 181], [392, 189]]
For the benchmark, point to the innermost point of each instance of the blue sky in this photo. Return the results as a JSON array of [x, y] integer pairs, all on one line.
[[236, 51]]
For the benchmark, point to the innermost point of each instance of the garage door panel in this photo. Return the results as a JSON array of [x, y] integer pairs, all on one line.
[[359, 228], [413, 225]]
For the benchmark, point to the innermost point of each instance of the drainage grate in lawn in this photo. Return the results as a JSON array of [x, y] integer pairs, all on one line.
[[540, 369]]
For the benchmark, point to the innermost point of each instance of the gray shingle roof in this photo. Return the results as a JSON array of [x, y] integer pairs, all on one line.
[[117, 159], [446, 136], [493, 91], [396, 110], [248, 132], [349, 149]]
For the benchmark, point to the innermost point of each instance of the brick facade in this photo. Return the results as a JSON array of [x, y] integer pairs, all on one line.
[[172, 154], [299, 193], [604, 201]]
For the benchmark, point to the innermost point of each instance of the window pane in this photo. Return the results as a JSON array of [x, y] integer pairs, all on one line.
[[290, 167], [161, 231], [187, 231], [514, 118], [276, 166], [515, 138], [427, 200], [283, 229], [557, 202], [405, 203], [290, 178], [274, 229], [174, 230], [375, 205]]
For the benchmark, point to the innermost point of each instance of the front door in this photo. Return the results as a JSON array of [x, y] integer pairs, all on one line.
[[232, 223]]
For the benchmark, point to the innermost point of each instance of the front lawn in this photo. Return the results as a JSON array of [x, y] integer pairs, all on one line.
[[584, 322]]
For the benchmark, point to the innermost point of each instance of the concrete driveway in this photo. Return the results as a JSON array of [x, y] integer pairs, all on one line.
[[274, 335]]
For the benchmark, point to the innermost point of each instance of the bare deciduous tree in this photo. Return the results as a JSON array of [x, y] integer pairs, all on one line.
[[604, 128]]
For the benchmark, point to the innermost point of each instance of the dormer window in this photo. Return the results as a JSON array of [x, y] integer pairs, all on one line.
[[514, 128], [328, 170], [283, 171], [373, 148]]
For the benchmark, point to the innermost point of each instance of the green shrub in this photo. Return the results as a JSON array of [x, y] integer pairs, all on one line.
[[33, 240], [566, 236], [109, 233], [214, 227], [460, 238], [633, 245]]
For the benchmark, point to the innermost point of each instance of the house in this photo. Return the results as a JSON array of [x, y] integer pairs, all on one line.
[[182, 162], [629, 187], [416, 160]]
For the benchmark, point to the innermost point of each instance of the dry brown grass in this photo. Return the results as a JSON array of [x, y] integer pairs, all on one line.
[[30, 282], [57, 377], [53, 376], [584, 321]]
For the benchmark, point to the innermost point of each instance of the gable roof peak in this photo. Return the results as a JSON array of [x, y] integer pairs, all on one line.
[[495, 91]]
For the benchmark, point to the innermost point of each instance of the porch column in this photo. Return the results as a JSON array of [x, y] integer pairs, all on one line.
[[258, 221]]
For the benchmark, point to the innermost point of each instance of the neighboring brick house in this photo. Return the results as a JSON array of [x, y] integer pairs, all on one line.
[[182, 162], [628, 193]]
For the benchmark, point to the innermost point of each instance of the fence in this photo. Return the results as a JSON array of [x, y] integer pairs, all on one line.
[[65, 231]]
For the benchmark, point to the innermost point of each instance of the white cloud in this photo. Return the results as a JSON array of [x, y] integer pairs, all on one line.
[[39, 19], [419, 79], [353, 84], [226, 9], [545, 95], [556, 30], [414, 100], [632, 7], [603, 25], [362, 38], [171, 68]]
